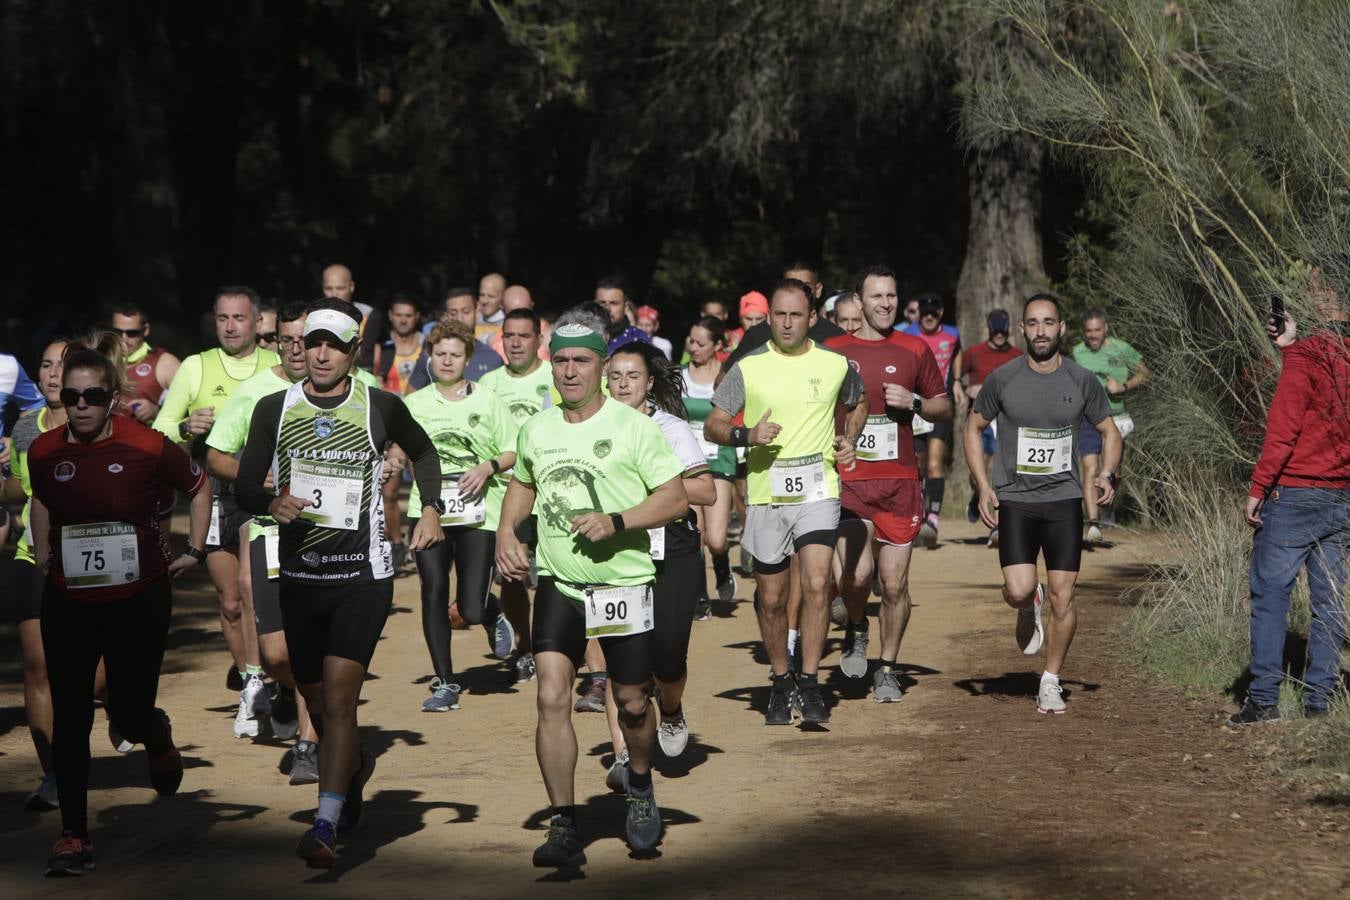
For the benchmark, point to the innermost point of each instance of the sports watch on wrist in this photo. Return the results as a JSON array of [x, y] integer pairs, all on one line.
[[198, 555], [916, 404], [435, 503]]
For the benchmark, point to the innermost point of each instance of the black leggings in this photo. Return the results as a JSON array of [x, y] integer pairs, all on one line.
[[128, 635], [1054, 528], [560, 627], [679, 582], [471, 552]]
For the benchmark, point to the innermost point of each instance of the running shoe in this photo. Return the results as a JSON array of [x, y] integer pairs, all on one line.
[[1094, 533], [317, 846], [444, 696], [744, 567], [1050, 698], [928, 532], [234, 680], [562, 847], [702, 609], [616, 779], [285, 714], [886, 687], [993, 539], [72, 855], [255, 692], [811, 702], [780, 702], [120, 744], [644, 819], [973, 509], [166, 769], [244, 723], [525, 668], [44, 798], [853, 662], [726, 588], [673, 733], [838, 612], [1253, 713], [734, 526], [795, 657], [305, 763], [501, 638], [1030, 635], [350, 816], [594, 698]]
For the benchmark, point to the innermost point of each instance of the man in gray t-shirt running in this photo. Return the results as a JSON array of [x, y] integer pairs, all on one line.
[[1035, 500]]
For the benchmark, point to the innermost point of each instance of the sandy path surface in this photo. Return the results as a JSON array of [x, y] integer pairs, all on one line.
[[962, 789]]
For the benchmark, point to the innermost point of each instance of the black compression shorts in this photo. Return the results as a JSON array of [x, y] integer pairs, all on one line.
[[266, 592], [25, 591], [560, 627], [679, 582], [342, 620], [1054, 528]]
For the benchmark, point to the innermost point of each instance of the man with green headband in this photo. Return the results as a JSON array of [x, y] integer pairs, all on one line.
[[597, 474]]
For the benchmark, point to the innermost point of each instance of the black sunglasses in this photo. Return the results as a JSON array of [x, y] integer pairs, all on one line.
[[269, 337], [93, 396], [130, 332]]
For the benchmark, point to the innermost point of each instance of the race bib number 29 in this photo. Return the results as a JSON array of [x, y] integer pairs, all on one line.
[[1044, 451]]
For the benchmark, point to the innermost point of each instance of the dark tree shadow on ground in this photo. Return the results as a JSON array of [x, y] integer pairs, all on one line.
[[1018, 684], [603, 817]]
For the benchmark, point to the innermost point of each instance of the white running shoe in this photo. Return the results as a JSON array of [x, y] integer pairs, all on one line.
[[120, 744], [1050, 698], [1094, 534], [244, 723], [838, 612], [673, 733], [1030, 635], [255, 692], [616, 779]]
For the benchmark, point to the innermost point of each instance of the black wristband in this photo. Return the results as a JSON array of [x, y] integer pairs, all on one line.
[[183, 430], [496, 466], [740, 436], [617, 520], [198, 555]]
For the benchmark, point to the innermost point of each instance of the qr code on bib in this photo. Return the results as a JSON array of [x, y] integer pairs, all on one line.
[[353, 499], [128, 554]]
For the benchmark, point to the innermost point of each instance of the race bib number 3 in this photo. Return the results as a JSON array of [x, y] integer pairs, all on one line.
[[797, 480], [879, 440], [99, 555], [611, 612], [1044, 451], [334, 489], [458, 510]]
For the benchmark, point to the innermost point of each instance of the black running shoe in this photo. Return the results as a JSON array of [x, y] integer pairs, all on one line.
[[233, 680], [562, 848], [166, 769], [780, 703], [1253, 713], [812, 703], [72, 855], [351, 810], [702, 609]]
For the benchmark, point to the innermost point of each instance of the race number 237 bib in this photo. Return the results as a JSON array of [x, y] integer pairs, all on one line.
[[613, 611], [880, 439], [99, 555], [1044, 451], [458, 509], [332, 488], [797, 480]]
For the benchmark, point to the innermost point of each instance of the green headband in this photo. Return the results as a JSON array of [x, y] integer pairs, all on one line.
[[577, 335]]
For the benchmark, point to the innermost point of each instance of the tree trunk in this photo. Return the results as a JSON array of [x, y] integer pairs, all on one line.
[[1004, 261]]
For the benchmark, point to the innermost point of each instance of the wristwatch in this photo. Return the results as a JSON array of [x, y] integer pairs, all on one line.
[[435, 503], [916, 405], [183, 430], [1111, 477], [198, 555]]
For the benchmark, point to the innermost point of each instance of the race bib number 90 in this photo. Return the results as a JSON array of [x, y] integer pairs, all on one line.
[[332, 488], [99, 555], [611, 612], [1044, 451], [797, 480]]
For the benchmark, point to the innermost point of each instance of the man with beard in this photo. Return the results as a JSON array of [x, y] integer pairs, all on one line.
[[1035, 496]]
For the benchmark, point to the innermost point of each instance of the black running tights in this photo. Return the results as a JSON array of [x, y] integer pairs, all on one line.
[[471, 553]]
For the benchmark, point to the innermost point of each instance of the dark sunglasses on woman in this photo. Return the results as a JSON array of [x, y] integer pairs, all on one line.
[[93, 396]]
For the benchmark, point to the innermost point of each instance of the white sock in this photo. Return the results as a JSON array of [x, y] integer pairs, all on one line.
[[330, 806], [792, 639], [1052, 677]]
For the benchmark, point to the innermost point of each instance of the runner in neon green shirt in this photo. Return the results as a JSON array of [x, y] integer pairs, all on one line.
[[597, 474], [475, 437], [789, 389]]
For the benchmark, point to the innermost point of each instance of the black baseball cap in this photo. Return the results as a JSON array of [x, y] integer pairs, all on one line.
[[998, 322], [929, 303]]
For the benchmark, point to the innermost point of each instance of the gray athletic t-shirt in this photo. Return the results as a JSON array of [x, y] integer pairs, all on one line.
[[1038, 419]]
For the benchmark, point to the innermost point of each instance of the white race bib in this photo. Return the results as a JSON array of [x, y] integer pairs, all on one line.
[[213, 529], [797, 480], [1044, 451], [334, 489], [458, 510], [272, 551], [1124, 424], [658, 540], [710, 450], [99, 555], [611, 612], [880, 439], [921, 426]]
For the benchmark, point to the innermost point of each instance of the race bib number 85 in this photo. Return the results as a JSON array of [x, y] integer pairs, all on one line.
[[1044, 451], [798, 480]]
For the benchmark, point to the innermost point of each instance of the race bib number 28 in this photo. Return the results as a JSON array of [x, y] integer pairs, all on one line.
[[1044, 451]]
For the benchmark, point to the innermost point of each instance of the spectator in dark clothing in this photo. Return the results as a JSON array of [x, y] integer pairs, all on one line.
[[462, 306]]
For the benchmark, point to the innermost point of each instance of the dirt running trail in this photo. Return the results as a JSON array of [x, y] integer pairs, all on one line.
[[962, 789]]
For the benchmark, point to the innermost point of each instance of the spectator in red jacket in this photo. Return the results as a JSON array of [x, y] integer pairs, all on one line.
[[1300, 505]]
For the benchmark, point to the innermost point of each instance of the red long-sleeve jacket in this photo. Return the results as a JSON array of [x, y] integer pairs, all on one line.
[[1308, 429]]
